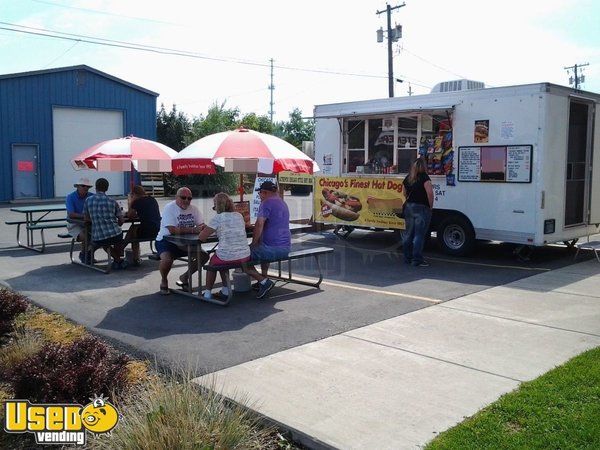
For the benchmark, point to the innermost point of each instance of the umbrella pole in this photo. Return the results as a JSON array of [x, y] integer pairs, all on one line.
[[131, 178], [241, 188]]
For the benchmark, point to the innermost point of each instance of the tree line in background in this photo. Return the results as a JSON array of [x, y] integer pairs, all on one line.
[[176, 130]]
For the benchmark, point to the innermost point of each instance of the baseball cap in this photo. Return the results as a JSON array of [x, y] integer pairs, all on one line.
[[83, 182], [267, 186]]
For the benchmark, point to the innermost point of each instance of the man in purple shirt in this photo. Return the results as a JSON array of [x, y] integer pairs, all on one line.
[[271, 240]]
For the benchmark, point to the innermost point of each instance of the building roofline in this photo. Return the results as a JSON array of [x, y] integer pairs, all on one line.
[[79, 67]]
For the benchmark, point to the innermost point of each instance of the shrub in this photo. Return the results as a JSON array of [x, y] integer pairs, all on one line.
[[70, 372], [51, 326], [23, 345], [176, 413], [11, 305]]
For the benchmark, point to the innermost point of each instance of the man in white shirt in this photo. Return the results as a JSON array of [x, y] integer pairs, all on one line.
[[178, 217]]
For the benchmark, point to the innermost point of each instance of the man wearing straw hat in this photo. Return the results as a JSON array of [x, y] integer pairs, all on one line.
[[74, 203]]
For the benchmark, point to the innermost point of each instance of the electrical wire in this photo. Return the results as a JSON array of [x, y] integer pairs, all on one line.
[[165, 51]]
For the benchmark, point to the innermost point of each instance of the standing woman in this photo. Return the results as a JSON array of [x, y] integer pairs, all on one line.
[[417, 213]]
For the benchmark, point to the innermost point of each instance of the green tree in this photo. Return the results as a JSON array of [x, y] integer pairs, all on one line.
[[172, 127], [219, 118], [296, 129], [261, 124]]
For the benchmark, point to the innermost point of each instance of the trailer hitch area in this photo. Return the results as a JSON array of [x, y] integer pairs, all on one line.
[[523, 253]]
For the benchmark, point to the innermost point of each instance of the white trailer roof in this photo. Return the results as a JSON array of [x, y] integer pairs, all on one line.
[[435, 101]]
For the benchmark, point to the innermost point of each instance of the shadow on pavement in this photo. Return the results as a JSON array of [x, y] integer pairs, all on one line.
[[68, 278], [154, 316]]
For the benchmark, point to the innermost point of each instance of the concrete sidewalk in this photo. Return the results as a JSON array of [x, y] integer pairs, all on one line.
[[397, 383]]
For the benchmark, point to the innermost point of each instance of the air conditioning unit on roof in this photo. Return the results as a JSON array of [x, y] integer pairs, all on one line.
[[458, 85]]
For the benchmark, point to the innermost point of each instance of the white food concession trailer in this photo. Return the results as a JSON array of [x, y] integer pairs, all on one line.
[[518, 164]]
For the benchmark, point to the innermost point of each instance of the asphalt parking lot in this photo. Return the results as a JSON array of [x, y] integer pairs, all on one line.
[[365, 282]]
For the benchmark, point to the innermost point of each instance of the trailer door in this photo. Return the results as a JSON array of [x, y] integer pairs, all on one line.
[[595, 176], [579, 159]]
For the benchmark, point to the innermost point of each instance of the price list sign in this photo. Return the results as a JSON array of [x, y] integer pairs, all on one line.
[[469, 164], [518, 164]]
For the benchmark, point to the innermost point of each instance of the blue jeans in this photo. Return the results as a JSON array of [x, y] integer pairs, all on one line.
[[417, 218], [266, 253]]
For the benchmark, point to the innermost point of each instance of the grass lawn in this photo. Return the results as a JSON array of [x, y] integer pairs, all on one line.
[[559, 410]]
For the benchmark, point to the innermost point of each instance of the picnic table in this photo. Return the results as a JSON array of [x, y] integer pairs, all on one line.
[[86, 244], [36, 218], [195, 247]]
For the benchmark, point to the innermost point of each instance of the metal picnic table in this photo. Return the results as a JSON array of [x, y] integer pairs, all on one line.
[[35, 219]]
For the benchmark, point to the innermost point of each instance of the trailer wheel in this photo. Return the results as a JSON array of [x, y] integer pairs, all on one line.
[[456, 236]]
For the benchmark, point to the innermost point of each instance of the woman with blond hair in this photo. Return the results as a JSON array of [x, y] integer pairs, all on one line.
[[418, 193], [233, 248]]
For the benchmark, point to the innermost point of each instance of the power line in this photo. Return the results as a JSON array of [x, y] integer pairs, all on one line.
[[162, 50]]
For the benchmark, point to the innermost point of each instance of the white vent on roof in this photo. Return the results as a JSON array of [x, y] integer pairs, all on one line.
[[458, 85]]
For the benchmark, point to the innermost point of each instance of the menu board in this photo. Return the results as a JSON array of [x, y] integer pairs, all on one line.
[[518, 164], [469, 164], [498, 163]]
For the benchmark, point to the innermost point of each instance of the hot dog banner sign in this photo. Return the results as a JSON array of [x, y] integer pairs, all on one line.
[[369, 202]]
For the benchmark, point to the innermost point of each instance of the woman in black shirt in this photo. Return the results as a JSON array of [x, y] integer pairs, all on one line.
[[144, 208], [417, 213]]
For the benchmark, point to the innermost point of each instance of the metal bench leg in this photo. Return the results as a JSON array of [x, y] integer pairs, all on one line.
[[295, 281], [320, 271], [29, 244], [43, 241]]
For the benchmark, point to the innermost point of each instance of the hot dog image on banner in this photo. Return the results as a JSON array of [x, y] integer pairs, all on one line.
[[367, 202]]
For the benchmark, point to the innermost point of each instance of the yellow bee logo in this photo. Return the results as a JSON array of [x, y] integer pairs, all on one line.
[[99, 416]]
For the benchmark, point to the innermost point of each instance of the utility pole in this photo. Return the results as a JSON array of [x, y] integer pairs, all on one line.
[[271, 88], [577, 80], [390, 39]]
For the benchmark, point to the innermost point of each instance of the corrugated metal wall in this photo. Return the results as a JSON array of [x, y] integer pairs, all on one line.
[[26, 114]]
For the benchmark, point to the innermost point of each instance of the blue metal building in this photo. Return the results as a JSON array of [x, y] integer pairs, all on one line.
[[49, 116]]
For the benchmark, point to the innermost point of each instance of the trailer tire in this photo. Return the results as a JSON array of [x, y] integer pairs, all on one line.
[[456, 236]]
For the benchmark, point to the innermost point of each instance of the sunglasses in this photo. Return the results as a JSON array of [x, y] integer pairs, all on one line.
[[183, 197]]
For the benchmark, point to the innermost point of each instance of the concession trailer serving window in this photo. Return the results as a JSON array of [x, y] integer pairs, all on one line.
[[387, 144]]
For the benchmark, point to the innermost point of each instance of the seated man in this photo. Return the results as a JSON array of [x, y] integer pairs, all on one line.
[[144, 208], [74, 203], [106, 217], [179, 217], [271, 239]]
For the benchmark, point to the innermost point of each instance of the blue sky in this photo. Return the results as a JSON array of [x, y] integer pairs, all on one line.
[[325, 51]]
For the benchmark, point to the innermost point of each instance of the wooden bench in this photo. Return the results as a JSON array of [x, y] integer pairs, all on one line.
[[315, 252]]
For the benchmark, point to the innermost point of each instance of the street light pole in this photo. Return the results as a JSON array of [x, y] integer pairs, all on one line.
[[390, 40]]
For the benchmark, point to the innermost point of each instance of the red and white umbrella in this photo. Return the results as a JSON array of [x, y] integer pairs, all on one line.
[[242, 151], [125, 154]]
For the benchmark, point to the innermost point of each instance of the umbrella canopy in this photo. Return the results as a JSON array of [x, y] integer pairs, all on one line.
[[123, 154], [240, 151]]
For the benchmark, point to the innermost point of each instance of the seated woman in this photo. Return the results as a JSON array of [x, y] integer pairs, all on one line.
[[233, 245], [144, 208]]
